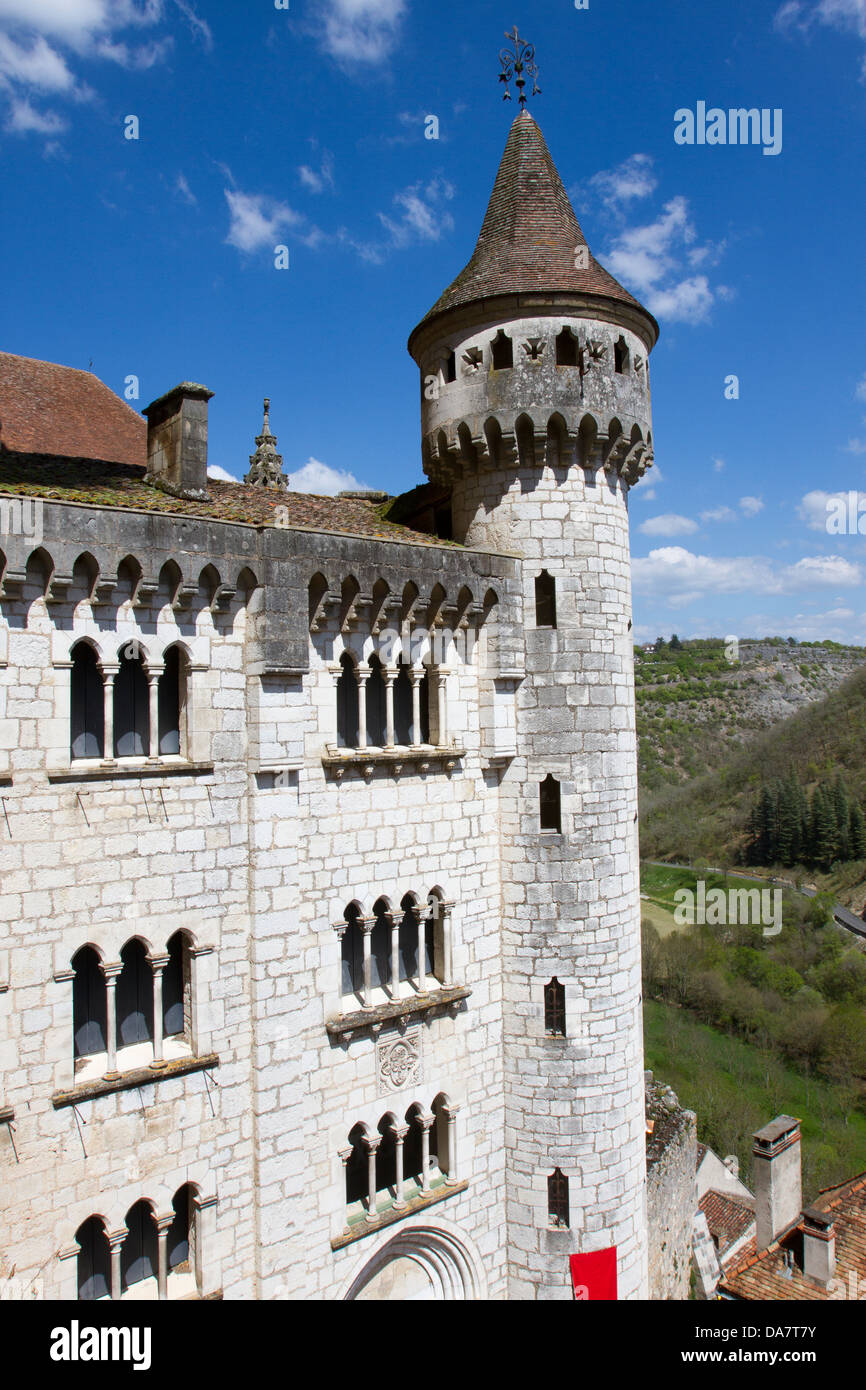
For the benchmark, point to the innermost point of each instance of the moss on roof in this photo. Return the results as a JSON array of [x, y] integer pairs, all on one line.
[[96, 484]]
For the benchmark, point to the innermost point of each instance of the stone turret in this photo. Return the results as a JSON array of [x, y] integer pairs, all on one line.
[[536, 414], [266, 465]]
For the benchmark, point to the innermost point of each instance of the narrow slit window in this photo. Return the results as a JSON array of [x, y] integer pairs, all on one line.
[[566, 349], [545, 600], [451, 367], [502, 350], [557, 1200], [550, 805], [554, 1008], [620, 356]]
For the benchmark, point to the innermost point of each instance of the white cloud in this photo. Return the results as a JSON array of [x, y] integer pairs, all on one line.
[[815, 507], [422, 218], [860, 389], [23, 119], [750, 506], [33, 32], [36, 65], [846, 16], [650, 259], [718, 465], [719, 514], [668, 524], [634, 178], [361, 31], [183, 188], [257, 220], [214, 471], [317, 180], [856, 446], [683, 577], [318, 477]]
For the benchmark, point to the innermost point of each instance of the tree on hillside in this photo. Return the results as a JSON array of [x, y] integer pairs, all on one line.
[[676, 644], [857, 833]]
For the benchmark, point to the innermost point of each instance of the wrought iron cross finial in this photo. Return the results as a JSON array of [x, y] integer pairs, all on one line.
[[515, 62]]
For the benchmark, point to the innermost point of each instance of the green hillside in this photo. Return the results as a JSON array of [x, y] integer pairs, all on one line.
[[709, 817]]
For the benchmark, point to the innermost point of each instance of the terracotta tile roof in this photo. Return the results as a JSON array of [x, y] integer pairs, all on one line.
[[728, 1218], [760, 1276], [530, 234], [101, 484], [49, 409]]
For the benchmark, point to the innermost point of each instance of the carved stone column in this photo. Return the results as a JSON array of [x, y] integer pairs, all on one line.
[[441, 693], [362, 677], [399, 1132], [111, 970], [157, 965], [451, 1112], [153, 675], [425, 1120], [421, 928], [393, 921], [416, 676], [389, 675], [366, 924], [445, 910], [163, 1224], [108, 675], [371, 1143], [115, 1243]]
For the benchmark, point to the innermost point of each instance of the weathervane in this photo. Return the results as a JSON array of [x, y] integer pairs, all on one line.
[[515, 63]]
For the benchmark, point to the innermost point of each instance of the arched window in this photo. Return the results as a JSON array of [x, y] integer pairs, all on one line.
[[566, 349], [408, 940], [169, 701], [439, 1147], [134, 996], [549, 804], [554, 1008], [413, 1146], [376, 711], [380, 946], [88, 1005], [180, 1250], [502, 350], [347, 704], [139, 1255], [386, 1156], [620, 356], [94, 1260], [357, 1183], [177, 991], [131, 706], [87, 715], [352, 953], [545, 600], [557, 1199]]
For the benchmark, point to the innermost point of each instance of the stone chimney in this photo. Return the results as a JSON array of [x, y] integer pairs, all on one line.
[[819, 1245], [177, 441], [778, 1185]]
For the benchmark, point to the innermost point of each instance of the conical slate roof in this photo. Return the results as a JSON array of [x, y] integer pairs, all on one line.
[[530, 234]]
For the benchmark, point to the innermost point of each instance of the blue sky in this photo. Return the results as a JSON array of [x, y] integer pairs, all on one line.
[[305, 126]]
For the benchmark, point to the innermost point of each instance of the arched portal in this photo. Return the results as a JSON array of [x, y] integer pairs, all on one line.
[[421, 1263]]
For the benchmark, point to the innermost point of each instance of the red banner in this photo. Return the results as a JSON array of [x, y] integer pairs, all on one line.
[[594, 1275]]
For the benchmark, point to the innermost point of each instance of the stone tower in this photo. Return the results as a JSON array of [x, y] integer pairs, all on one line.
[[536, 415]]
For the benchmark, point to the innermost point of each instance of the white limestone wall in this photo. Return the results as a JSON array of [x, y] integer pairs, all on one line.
[[100, 861], [571, 901], [319, 845]]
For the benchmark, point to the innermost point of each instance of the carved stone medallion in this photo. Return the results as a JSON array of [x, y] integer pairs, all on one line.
[[398, 1061]]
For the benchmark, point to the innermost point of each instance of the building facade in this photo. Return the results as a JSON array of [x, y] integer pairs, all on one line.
[[319, 965]]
